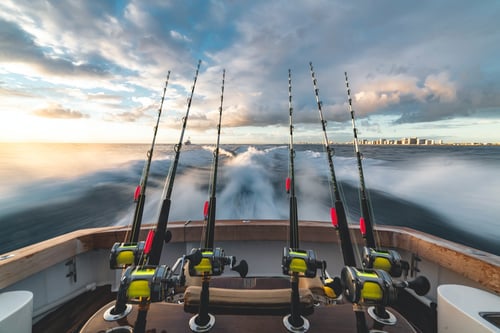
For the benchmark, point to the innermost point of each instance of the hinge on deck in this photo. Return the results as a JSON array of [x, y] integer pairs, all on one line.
[[415, 259], [71, 268]]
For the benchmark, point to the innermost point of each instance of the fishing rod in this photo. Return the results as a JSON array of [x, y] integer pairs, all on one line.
[[159, 233], [290, 181], [210, 206], [338, 214], [212, 260], [140, 192], [365, 221], [296, 263], [157, 277], [379, 265], [132, 252], [293, 322]]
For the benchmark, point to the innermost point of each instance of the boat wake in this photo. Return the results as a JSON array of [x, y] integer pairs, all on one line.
[[449, 197]]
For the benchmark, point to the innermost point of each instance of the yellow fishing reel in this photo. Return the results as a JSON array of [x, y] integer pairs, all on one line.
[[387, 260], [125, 254], [371, 286], [300, 262], [213, 261], [145, 284]]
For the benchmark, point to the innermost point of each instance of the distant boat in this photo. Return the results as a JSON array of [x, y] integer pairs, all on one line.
[[187, 142]]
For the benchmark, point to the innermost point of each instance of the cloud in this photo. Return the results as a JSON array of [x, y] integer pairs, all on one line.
[[9, 92], [105, 98], [56, 111], [417, 62], [177, 35]]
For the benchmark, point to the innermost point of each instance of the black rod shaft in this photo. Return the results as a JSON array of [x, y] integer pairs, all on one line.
[[210, 230], [161, 225], [295, 318], [365, 204], [139, 208], [294, 220], [343, 227]]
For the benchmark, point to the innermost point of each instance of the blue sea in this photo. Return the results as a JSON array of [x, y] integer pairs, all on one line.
[[51, 189]]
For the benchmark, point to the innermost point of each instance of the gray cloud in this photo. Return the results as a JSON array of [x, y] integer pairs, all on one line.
[[20, 47], [421, 62], [57, 111]]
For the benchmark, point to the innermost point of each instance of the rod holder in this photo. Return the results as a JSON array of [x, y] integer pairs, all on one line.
[[140, 285], [210, 263], [298, 264]]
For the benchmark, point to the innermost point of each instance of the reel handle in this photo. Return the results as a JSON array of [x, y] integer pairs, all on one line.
[[241, 268], [420, 285]]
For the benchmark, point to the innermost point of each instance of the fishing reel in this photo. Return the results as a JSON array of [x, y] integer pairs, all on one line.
[[126, 254], [213, 261], [141, 285], [300, 262], [372, 286], [387, 260], [375, 287]]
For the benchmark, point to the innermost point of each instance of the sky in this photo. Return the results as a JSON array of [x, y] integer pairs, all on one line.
[[95, 71]]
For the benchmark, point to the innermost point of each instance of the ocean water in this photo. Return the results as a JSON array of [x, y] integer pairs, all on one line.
[[51, 189]]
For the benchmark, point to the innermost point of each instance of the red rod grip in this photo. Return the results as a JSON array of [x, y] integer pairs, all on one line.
[[149, 241], [362, 226], [288, 184], [137, 193], [205, 209], [333, 216]]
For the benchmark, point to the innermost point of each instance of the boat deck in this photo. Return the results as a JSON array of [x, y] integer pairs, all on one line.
[[171, 318]]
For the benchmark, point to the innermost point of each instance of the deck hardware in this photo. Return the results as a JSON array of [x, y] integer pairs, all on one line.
[[120, 329], [6, 256], [72, 268], [415, 259]]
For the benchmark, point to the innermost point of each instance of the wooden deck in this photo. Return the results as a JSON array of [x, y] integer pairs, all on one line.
[[171, 318]]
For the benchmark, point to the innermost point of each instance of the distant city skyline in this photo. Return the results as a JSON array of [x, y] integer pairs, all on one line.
[[418, 141]]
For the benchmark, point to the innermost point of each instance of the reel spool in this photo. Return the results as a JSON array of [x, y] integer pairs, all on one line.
[[373, 287], [376, 287], [125, 254], [300, 262], [387, 260], [147, 282], [212, 263]]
